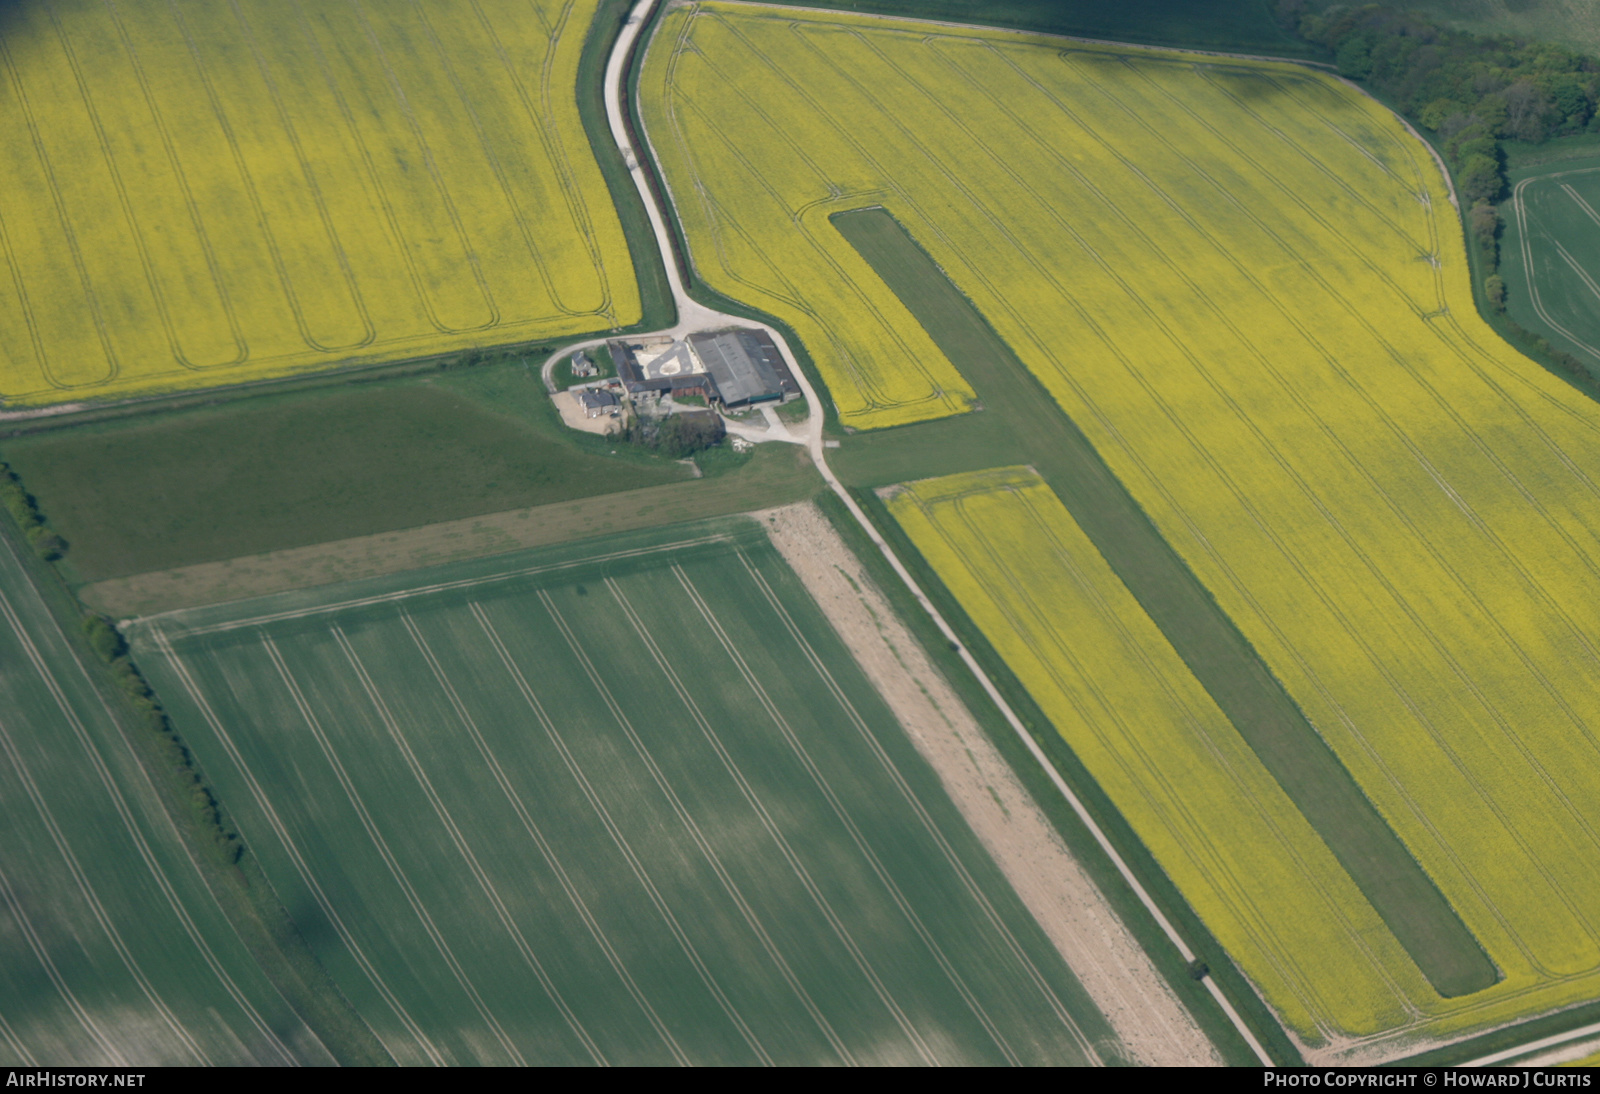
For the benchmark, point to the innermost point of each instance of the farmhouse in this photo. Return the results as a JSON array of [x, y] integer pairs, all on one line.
[[597, 403]]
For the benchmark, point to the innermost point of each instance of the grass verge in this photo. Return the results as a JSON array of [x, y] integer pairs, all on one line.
[[772, 475], [1501, 1039], [655, 295]]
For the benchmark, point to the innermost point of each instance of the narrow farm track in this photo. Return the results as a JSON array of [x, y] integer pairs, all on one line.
[[692, 315], [1246, 285]]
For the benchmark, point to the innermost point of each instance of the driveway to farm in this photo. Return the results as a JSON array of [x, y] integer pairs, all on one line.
[[693, 316]]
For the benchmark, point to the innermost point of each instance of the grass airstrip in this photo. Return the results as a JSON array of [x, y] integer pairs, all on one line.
[[629, 801], [1245, 285], [199, 195]]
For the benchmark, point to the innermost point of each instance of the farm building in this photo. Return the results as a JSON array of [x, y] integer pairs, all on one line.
[[662, 367], [746, 366], [735, 367]]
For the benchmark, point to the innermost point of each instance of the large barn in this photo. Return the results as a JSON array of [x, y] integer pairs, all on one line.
[[734, 367], [746, 366]]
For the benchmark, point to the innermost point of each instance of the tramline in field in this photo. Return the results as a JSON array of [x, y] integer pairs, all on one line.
[[1245, 285], [112, 951], [200, 194], [1552, 257], [623, 802]]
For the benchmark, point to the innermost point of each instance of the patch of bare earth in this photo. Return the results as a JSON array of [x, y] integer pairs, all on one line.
[[1153, 1026]]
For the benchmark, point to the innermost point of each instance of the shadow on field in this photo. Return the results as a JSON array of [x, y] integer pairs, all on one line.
[[1204, 24], [12, 13], [312, 922]]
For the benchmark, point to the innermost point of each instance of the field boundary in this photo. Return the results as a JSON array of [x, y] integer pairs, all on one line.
[[1109, 961]]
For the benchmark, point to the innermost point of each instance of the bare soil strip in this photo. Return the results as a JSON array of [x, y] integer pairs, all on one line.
[[1116, 972]]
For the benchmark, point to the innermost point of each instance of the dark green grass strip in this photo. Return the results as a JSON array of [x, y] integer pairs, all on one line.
[[1202, 634]]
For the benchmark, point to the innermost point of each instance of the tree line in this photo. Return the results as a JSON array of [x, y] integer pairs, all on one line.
[[24, 509], [108, 644], [105, 640]]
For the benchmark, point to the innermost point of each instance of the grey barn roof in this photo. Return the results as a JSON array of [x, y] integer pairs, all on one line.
[[741, 362]]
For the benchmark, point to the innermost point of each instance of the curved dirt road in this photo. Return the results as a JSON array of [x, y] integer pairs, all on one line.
[[692, 316]]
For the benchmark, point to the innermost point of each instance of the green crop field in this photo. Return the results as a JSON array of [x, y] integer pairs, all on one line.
[[112, 950], [625, 801], [199, 194], [1551, 256], [1242, 285]]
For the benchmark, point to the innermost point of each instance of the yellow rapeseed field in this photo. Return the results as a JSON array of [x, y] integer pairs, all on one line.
[[1152, 737], [755, 179], [203, 193], [1246, 283]]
